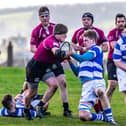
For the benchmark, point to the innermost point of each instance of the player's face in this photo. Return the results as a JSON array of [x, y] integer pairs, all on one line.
[[13, 103], [87, 42], [61, 37], [87, 22], [120, 22], [44, 19]]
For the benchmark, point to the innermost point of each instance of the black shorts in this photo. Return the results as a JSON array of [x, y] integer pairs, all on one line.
[[57, 68], [111, 69], [37, 71]]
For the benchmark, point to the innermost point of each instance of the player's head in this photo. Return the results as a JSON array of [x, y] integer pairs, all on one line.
[[8, 102], [60, 32], [44, 15], [87, 20], [120, 21], [89, 38]]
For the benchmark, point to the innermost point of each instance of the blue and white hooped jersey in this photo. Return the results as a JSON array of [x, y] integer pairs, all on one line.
[[120, 50], [21, 101], [93, 68], [18, 113], [20, 108]]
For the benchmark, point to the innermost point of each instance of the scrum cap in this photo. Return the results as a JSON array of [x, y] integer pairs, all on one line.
[[88, 14]]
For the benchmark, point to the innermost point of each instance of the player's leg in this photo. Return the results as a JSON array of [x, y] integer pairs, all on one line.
[[31, 74], [87, 101], [100, 92], [121, 74], [52, 84], [64, 94], [111, 88], [98, 107], [25, 85], [28, 99], [59, 72], [86, 115], [112, 79]]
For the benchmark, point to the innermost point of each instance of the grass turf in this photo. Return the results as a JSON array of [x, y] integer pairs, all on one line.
[[11, 81]]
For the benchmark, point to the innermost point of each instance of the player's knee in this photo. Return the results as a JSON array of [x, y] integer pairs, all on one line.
[[53, 86], [113, 85], [52, 83], [84, 116], [63, 83], [100, 93]]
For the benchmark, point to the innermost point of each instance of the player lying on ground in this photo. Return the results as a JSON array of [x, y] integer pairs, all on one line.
[[14, 106]]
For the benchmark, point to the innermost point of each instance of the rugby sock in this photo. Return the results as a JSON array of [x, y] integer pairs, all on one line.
[[108, 114], [98, 107], [65, 106], [97, 117], [41, 103], [26, 110]]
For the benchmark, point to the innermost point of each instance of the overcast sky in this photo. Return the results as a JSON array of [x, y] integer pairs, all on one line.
[[25, 3]]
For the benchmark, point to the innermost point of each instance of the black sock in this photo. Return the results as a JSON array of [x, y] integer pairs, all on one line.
[[41, 103], [26, 110], [66, 106]]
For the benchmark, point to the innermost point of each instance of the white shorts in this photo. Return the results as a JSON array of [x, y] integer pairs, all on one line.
[[121, 75], [88, 94]]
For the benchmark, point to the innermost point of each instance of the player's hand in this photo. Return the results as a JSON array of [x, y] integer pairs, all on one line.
[[76, 47]]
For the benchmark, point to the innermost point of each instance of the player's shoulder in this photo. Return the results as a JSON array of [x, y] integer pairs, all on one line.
[[120, 41], [97, 29], [79, 29], [97, 48], [37, 28], [112, 31], [50, 38], [3, 111], [52, 24]]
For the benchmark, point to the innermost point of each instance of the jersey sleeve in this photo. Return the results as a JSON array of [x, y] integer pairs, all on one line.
[[74, 40], [50, 44], [34, 38], [3, 112], [117, 52], [103, 38], [111, 37]]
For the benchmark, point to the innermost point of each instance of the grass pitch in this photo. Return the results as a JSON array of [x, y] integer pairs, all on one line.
[[11, 81]]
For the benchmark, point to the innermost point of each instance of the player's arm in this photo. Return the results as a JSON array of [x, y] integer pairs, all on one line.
[[18, 96], [60, 53], [117, 55], [85, 57], [76, 47], [111, 39], [33, 41], [74, 68], [112, 44], [120, 65], [33, 48]]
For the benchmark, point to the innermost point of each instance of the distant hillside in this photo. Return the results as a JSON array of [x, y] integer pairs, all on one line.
[[22, 20]]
